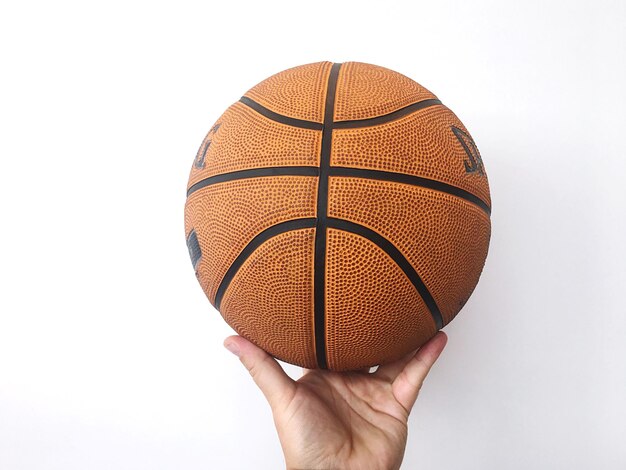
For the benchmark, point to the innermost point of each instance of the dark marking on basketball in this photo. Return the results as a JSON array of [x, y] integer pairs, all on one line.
[[375, 121], [320, 226], [475, 162], [257, 241], [268, 113], [412, 180], [254, 173], [399, 259], [194, 249], [200, 156]]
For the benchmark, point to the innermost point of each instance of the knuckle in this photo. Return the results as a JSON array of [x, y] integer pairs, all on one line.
[[256, 367]]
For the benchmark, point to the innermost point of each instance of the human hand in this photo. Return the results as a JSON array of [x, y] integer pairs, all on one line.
[[341, 420]]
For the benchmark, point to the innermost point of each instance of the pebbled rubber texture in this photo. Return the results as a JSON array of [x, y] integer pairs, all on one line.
[[420, 144], [245, 139], [227, 216], [365, 91], [373, 313], [444, 238], [270, 300], [298, 92]]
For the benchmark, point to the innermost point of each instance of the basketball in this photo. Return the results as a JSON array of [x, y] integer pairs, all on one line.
[[338, 215]]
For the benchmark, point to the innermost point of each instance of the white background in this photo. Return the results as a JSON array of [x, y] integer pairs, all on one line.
[[110, 355]]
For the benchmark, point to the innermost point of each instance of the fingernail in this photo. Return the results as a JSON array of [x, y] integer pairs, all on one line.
[[232, 347]]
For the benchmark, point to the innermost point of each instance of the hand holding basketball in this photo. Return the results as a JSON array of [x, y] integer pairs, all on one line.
[[341, 419]]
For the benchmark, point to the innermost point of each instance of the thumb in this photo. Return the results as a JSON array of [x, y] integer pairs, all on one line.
[[407, 384], [275, 384]]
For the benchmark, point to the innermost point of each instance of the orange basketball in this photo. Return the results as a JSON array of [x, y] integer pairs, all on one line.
[[337, 215]]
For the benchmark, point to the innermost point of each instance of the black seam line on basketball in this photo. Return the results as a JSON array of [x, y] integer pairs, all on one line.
[[254, 173], [319, 278], [398, 258], [386, 117], [258, 240], [268, 113], [412, 180], [353, 124]]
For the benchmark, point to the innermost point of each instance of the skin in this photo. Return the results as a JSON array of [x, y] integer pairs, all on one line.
[[341, 420]]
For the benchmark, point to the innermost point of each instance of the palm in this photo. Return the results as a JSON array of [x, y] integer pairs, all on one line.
[[341, 419], [347, 420]]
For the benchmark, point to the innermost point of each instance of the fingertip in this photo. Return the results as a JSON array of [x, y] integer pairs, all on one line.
[[441, 338], [242, 345], [434, 347], [266, 372], [231, 345]]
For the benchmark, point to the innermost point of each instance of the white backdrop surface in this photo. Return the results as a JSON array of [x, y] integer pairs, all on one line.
[[111, 356]]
